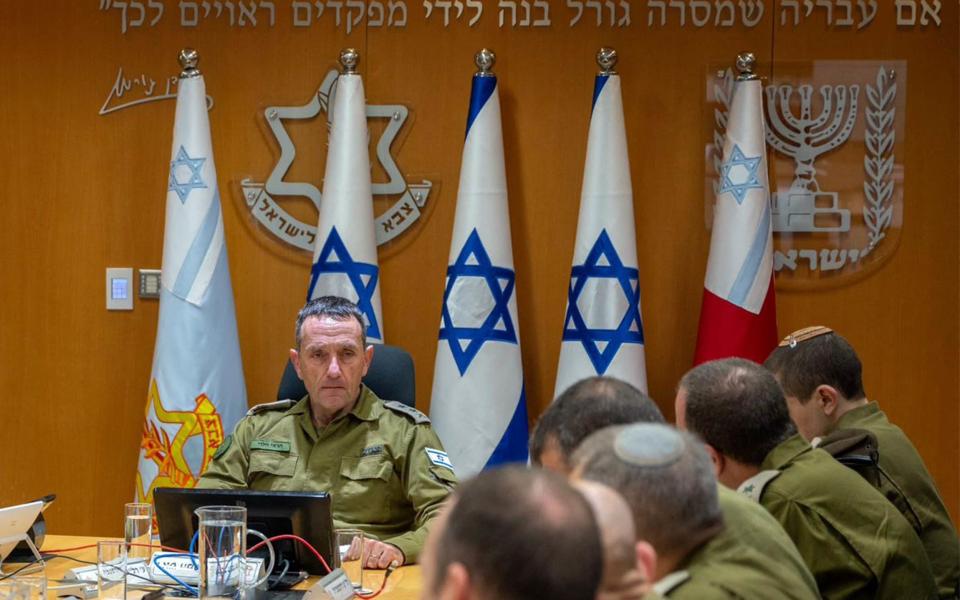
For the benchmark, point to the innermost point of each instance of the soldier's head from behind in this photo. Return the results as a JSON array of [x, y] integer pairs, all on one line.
[[585, 407], [821, 377], [513, 534], [331, 356], [738, 409], [666, 478], [628, 565]]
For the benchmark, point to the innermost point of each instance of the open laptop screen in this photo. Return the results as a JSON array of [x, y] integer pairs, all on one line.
[[306, 514]]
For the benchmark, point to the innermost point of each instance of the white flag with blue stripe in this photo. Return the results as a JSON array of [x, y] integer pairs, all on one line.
[[478, 405], [345, 255], [197, 392], [602, 330]]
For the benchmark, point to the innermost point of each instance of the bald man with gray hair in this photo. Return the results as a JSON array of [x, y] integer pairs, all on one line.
[[668, 481], [628, 565]]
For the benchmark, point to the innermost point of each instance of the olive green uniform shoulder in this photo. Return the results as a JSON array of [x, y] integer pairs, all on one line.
[[856, 543], [900, 460], [382, 464]]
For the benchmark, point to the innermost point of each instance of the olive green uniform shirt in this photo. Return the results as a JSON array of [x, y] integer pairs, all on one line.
[[901, 461], [855, 542], [381, 463], [753, 557]]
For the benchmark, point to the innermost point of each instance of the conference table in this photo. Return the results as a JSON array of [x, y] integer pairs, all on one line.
[[404, 583]]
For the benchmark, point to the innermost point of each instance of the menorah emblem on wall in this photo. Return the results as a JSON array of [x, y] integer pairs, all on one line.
[[804, 137]]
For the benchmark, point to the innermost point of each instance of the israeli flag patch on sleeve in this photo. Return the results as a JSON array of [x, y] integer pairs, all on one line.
[[439, 458]]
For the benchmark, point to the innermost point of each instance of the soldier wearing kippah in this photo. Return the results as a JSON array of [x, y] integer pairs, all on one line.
[[667, 479], [821, 377]]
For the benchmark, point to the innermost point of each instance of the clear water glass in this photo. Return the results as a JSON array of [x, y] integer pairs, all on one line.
[[222, 547], [138, 529]]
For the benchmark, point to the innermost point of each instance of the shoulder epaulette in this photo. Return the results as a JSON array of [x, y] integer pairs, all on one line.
[[278, 405], [671, 582], [418, 417], [753, 488]]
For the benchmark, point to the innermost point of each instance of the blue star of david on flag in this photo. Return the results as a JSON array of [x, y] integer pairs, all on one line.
[[335, 258], [473, 261], [193, 182], [602, 345], [739, 174]]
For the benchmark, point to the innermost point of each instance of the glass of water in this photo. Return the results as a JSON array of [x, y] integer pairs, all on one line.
[[111, 570], [138, 529], [222, 548]]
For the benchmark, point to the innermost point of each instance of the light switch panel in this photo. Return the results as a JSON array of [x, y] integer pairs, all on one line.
[[119, 288]]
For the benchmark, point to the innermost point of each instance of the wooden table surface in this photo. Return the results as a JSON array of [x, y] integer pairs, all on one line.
[[404, 584]]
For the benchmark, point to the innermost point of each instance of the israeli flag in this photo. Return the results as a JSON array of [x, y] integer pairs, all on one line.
[[478, 406], [345, 255], [196, 394], [602, 329]]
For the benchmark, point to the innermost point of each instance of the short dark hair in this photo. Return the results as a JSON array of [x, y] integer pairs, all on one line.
[[666, 477], [522, 534], [825, 359], [737, 407], [589, 405], [334, 307]]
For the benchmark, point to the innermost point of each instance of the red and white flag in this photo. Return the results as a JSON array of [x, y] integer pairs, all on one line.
[[739, 315]]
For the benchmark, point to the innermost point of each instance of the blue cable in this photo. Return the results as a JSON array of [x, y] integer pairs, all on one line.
[[188, 587], [193, 556]]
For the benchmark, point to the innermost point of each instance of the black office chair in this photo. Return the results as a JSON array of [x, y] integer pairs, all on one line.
[[391, 376]]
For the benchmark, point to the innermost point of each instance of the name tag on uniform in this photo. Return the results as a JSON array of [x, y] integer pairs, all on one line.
[[270, 445], [439, 458], [372, 450]]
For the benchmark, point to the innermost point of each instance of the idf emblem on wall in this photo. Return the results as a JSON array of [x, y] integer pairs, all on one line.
[[406, 199], [835, 133]]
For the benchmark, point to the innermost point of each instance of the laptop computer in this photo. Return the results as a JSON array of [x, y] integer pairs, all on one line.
[[15, 521]]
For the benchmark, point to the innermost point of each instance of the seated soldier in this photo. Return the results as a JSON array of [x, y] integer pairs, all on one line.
[[628, 565], [513, 533], [751, 536], [821, 377], [381, 462], [855, 542]]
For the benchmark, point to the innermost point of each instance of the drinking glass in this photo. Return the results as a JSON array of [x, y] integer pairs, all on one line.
[[222, 547]]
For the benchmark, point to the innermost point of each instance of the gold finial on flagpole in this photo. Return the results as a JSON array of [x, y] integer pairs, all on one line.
[[607, 60], [189, 58], [485, 59], [349, 59], [745, 63]]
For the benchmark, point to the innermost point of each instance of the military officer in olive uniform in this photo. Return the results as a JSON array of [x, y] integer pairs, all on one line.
[[855, 542], [381, 462], [821, 377], [684, 545]]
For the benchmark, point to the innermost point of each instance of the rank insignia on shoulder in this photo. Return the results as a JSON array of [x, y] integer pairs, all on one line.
[[418, 417], [223, 447], [439, 458], [671, 582], [753, 488], [278, 405]]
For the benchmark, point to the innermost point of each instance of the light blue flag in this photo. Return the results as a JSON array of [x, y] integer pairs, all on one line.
[[602, 329], [478, 406], [197, 393]]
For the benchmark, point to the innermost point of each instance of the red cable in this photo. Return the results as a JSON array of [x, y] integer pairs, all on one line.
[[297, 538]]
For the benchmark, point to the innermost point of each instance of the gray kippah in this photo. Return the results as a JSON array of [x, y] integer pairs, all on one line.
[[649, 445]]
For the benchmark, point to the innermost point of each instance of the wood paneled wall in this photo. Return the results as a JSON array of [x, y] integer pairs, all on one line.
[[84, 192]]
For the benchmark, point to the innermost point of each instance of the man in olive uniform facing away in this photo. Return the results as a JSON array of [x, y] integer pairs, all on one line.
[[750, 537], [381, 462], [822, 379], [855, 542]]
